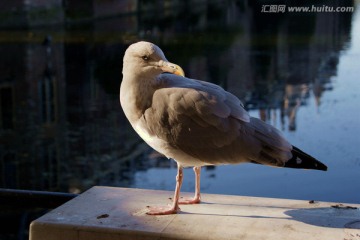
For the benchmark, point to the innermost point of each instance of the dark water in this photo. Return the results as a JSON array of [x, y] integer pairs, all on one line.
[[62, 128]]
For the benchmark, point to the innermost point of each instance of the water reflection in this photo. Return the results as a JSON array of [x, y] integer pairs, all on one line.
[[62, 128]]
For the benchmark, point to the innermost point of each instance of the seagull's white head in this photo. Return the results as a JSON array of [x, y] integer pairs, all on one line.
[[147, 59]]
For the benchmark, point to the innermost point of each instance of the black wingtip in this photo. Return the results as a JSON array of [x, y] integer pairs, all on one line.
[[303, 160]]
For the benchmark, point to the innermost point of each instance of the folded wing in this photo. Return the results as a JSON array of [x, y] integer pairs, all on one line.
[[210, 124]]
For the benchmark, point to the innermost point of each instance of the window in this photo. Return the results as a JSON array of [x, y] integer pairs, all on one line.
[[47, 99], [6, 108]]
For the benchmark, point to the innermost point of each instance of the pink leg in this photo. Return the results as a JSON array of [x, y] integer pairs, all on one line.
[[174, 208], [196, 198]]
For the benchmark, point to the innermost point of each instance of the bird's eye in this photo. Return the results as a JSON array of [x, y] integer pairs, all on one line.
[[145, 58]]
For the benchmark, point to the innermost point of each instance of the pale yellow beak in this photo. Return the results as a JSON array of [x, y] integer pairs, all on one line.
[[171, 68]]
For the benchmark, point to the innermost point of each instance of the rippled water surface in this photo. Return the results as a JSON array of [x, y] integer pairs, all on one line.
[[62, 129]]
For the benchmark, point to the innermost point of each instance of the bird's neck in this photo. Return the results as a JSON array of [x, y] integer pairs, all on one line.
[[136, 96]]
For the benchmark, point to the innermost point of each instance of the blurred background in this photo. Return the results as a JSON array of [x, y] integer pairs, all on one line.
[[62, 128]]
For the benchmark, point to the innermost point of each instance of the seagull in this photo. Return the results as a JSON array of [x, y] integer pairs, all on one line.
[[196, 123]]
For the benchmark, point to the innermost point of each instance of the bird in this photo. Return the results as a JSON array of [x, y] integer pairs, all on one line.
[[196, 123]]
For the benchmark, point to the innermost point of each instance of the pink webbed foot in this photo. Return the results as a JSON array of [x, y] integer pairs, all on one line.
[[162, 210], [174, 208], [194, 200]]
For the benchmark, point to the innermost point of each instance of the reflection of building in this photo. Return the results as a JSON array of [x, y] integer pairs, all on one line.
[[31, 113], [30, 13], [291, 54], [293, 99], [57, 124]]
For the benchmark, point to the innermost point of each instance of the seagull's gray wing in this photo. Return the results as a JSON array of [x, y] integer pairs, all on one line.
[[210, 124]]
